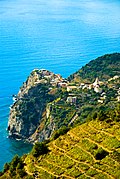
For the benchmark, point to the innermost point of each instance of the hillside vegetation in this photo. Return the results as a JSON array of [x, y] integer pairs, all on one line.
[[90, 150], [46, 101], [103, 67], [74, 124]]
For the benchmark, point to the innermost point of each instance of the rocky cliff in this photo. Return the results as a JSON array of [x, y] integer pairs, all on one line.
[[30, 103], [31, 115]]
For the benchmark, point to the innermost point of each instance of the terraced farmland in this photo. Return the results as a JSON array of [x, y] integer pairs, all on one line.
[[91, 150]]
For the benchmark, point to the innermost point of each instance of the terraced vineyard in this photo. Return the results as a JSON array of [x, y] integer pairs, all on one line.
[[91, 150]]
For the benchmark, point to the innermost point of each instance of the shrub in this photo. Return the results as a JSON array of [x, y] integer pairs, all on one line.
[[13, 164], [1, 173], [21, 172], [101, 115], [101, 153], [20, 165], [16, 166], [39, 148], [12, 173], [63, 130], [6, 167], [15, 161]]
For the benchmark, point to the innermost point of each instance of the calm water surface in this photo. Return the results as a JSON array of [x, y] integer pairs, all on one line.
[[59, 35]]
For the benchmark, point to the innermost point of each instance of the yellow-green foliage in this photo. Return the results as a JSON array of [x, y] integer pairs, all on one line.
[[90, 150]]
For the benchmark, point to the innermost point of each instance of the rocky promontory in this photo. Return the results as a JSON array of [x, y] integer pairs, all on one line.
[[46, 101], [30, 112]]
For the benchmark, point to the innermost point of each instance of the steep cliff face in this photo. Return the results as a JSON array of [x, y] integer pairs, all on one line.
[[31, 117], [26, 112], [44, 131]]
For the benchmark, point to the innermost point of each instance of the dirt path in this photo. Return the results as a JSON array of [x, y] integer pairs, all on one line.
[[44, 169], [104, 132], [76, 161], [91, 140], [26, 169]]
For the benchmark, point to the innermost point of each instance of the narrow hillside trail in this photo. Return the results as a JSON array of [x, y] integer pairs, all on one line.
[[64, 169], [115, 161], [66, 140], [56, 166], [53, 174], [74, 135], [110, 151], [76, 161], [52, 163], [91, 140], [86, 151], [27, 171], [44, 169], [77, 157], [95, 161], [63, 152], [100, 145], [77, 145], [103, 131]]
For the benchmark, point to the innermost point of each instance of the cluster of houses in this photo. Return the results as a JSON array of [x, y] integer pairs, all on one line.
[[96, 86], [56, 80], [45, 76]]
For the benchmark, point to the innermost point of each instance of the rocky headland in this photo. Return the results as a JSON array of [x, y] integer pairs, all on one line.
[[46, 101]]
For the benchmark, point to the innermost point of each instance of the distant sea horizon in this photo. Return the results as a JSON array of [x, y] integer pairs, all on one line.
[[58, 35]]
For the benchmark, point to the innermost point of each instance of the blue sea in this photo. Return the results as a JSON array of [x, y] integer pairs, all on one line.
[[58, 35]]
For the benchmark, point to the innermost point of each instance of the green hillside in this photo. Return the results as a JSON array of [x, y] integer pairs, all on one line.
[[46, 101], [90, 150], [103, 67], [77, 119]]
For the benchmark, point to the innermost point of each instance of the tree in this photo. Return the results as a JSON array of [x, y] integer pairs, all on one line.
[[63, 130], [1, 173], [22, 172], [14, 163], [6, 167], [39, 148], [101, 153], [101, 115]]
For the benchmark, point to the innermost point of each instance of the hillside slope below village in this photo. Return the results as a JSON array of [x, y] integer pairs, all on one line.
[[90, 150]]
